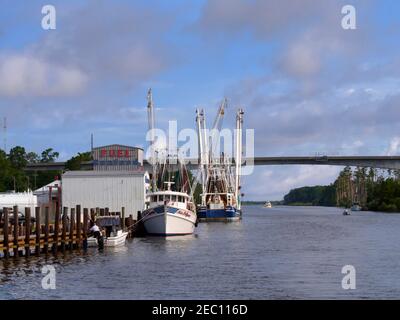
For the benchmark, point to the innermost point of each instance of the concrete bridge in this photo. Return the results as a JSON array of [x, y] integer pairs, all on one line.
[[382, 162]]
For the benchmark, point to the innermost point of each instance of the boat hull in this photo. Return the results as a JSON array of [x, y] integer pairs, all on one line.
[[166, 220], [116, 241], [227, 214]]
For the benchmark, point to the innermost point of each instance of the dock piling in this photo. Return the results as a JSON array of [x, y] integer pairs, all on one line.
[[27, 231], [5, 231], [46, 229], [15, 232]]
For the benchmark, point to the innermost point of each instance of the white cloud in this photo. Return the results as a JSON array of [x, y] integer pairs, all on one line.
[[302, 59], [26, 75], [394, 147]]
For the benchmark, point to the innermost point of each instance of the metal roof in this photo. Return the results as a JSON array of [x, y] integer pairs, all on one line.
[[92, 173]]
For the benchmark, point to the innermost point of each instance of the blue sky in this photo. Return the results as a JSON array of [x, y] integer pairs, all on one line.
[[306, 85]]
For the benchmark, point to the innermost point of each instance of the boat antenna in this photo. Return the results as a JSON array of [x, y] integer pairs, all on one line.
[[5, 134]]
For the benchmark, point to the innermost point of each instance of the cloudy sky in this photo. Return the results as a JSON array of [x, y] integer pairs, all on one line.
[[307, 85]]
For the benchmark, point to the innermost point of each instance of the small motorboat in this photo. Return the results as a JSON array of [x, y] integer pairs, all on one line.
[[115, 239], [346, 212], [268, 204], [355, 207], [114, 235]]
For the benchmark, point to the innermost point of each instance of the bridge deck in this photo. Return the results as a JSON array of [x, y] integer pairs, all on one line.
[[384, 162]]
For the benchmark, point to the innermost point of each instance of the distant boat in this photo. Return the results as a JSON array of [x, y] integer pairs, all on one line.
[[268, 204], [355, 207], [346, 212]]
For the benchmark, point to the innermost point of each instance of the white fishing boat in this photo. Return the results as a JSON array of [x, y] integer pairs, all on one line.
[[169, 213], [114, 240], [268, 205], [355, 207]]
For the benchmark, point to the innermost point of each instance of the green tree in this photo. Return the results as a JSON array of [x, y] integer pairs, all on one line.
[[32, 157], [49, 155], [17, 156], [75, 162]]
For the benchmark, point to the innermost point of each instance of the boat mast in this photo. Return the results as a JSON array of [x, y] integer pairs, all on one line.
[[151, 122], [216, 128], [238, 154], [203, 149]]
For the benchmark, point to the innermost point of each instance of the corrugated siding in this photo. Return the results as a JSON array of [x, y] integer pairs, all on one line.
[[115, 191]]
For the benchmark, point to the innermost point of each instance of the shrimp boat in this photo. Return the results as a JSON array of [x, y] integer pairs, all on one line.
[[219, 207], [219, 203], [220, 200], [170, 213], [170, 209]]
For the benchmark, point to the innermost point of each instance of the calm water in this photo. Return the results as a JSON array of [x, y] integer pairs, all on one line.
[[278, 253]]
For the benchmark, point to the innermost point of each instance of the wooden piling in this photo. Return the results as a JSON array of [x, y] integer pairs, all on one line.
[[85, 227], [15, 233], [37, 230], [64, 228], [71, 229], [123, 218], [27, 231], [56, 228], [92, 215], [85, 222], [5, 231], [78, 226], [46, 228]]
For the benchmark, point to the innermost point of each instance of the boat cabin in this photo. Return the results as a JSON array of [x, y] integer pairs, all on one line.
[[219, 200], [177, 199]]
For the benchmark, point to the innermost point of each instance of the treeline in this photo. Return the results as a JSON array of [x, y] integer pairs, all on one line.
[[312, 196], [372, 189], [13, 175]]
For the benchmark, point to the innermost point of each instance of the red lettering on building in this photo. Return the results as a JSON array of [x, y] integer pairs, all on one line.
[[120, 153]]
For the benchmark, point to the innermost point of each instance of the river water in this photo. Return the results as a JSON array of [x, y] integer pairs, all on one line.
[[277, 253]]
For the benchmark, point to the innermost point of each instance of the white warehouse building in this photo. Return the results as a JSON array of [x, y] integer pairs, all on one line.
[[20, 199], [118, 180]]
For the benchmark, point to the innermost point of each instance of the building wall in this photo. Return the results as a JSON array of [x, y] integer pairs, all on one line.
[[20, 199], [111, 189], [116, 157]]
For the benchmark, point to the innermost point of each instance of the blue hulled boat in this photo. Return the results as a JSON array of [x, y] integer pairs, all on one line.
[[220, 207]]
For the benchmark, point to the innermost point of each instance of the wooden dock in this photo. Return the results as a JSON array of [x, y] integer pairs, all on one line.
[[67, 231]]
